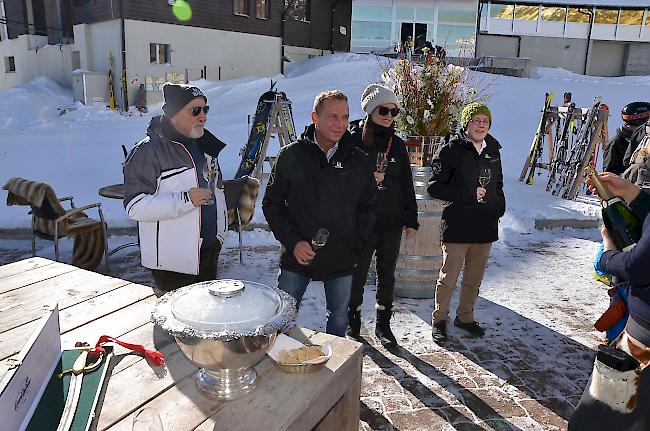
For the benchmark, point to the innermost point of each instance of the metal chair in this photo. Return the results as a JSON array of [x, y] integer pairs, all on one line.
[[51, 221]]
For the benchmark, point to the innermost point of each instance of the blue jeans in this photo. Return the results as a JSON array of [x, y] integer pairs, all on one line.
[[337, 296]]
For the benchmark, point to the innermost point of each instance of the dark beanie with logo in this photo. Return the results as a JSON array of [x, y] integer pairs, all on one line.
[[177, 96]]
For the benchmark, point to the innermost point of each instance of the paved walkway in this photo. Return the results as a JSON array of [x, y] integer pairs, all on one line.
[[526, 374]]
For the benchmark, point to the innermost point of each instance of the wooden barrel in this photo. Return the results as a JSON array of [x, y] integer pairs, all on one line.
[[420, 257]]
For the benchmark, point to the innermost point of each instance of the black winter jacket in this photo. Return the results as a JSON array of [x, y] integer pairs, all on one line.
[[615, 150], [396, 206], [306, 192], [635, 140], [454, 178]]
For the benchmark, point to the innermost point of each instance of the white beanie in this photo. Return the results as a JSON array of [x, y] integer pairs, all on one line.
[[375, 95]]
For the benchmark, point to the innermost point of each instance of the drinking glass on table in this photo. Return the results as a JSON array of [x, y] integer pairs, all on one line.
[[483, 179], [147, 419]]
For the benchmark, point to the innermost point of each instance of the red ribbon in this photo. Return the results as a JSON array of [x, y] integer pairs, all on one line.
[[156, 358]]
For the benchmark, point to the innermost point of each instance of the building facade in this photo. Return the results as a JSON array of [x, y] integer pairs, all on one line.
[[381, 26], [154, 41], [593, 37]]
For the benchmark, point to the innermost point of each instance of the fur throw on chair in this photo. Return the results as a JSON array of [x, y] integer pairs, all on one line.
[[88, 234], [241, 194]]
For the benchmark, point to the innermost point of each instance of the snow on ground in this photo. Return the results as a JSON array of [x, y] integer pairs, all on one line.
[[538, 300], [79, 152]]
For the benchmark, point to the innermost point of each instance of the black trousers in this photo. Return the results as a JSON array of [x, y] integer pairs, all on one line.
[[168, 280], [386, 246]]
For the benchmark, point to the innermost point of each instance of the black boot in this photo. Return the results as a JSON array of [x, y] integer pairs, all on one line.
[[382, 328], [354, 324]]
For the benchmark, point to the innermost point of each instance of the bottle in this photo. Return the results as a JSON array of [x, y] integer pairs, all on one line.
[[622, 224]]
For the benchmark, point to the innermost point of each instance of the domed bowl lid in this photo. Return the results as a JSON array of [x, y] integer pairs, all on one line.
[[224, 310]]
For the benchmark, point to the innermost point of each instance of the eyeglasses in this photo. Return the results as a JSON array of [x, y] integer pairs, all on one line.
[[480, 122], [384, 110], [197, 110]]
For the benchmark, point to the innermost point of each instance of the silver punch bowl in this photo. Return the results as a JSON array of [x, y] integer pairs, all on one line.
[[225, 327]]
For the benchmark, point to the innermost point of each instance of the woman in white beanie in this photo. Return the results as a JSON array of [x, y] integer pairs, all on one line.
[[396, 207]]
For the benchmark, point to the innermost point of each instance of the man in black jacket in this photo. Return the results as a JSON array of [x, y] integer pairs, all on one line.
[[322, 181], [470, 221]]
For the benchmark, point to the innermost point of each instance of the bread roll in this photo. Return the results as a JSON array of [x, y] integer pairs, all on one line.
[[299, 356]]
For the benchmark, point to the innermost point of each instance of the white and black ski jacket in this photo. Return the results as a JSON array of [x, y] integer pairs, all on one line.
[[158, 173]]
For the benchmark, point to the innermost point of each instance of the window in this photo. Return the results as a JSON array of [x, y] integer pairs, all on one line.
[[526, 13], [576, 14], [10, 64], [606, 16], [405, 13], [299, 10], [631, 17], [373, 13], [501, 11], [159, 53], [553, 13], [368, 30], [240, 7], [425, 14], [459, 16], [262, 9], [456, 38]]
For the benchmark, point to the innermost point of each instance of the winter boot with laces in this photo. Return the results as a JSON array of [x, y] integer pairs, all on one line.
[[382, 327]]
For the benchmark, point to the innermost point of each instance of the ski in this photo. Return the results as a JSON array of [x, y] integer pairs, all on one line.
[[261, 123], [562, 147], [580, 153], [528, 171]]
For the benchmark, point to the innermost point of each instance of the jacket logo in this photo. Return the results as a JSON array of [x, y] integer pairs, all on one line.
[[436, 167], [487, 156], [392, 160], [338, 165]]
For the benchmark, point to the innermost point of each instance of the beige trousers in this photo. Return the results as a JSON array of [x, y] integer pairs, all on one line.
[[475, 257]]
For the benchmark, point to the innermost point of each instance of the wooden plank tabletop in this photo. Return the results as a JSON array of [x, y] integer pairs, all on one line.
[[93, 304]]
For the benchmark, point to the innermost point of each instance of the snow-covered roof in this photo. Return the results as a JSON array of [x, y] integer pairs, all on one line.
[[611, 3]]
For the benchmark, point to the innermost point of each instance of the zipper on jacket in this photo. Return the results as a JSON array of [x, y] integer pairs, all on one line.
[[196, 175], [158, 243]]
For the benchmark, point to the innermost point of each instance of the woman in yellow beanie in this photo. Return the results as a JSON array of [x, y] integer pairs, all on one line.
[[467, 173]]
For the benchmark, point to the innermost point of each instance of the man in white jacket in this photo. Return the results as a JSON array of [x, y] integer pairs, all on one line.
[[173, 189]]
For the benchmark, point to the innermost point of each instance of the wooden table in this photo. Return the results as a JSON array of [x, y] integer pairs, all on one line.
[[92, 304]]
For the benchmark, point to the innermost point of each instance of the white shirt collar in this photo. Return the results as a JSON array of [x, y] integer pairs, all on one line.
[[330, 153], [483, 145]]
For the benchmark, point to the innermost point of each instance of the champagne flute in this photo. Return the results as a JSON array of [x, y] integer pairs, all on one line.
[[381, 168], [209, 174], [319, 240], [147, 419], [483, 179]]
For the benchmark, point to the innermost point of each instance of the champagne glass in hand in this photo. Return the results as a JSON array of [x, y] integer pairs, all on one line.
[[210, 174], [484, 175], [381, 168], [319, 240], [147, 419]]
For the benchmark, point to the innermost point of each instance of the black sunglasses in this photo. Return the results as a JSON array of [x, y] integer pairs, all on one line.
[[383, 110], [197, 110]]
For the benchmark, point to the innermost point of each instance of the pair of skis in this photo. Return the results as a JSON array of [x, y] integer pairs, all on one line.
[[561, 149], [581, 152], [535, 153]]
